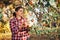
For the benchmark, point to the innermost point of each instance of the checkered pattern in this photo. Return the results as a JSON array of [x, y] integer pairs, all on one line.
[[17, 33]]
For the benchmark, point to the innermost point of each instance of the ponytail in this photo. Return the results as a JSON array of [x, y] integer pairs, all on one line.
[[14, 14]]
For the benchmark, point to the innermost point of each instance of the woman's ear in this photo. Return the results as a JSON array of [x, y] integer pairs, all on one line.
[[15, 12]]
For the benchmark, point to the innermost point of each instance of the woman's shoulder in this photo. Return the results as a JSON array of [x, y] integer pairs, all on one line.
[[12, 19]]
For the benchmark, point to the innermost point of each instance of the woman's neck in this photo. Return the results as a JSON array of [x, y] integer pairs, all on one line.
[[18, 17]]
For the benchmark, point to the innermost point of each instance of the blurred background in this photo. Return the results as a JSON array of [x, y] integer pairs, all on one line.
[[43, 17]]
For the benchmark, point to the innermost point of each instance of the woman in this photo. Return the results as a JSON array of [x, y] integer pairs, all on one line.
[[18, 25]]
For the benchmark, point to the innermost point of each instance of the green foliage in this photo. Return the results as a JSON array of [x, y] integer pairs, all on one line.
[[37, 31]]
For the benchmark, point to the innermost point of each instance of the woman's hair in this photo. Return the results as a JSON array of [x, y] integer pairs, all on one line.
[[16, 9], [14, 14]]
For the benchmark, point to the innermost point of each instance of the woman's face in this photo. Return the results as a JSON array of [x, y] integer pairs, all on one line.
[[20, 12]]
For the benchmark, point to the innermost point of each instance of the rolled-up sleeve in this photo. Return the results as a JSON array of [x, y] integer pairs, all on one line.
[[13, 27]]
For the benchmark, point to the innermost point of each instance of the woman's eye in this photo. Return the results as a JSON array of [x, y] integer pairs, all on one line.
[[20, 10]]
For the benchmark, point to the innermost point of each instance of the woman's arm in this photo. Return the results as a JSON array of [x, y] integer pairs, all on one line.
[[13, 27]]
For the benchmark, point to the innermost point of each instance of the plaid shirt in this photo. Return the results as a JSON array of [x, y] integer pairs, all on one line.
[[17, 33]]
